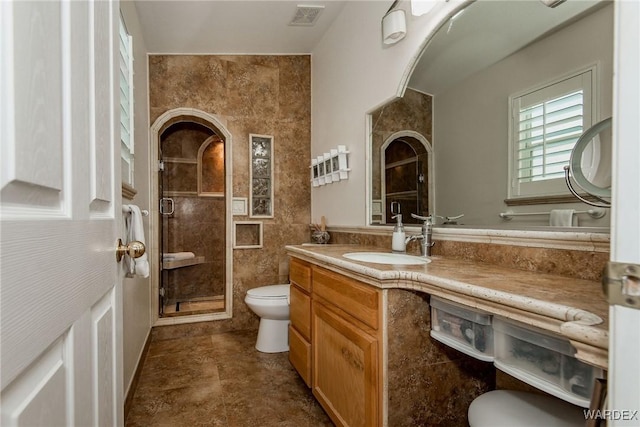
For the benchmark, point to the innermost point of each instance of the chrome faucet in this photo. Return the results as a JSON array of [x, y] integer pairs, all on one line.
[[426, 242]]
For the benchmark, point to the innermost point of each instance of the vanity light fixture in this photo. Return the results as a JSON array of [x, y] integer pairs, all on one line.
[[420, 7], [552, 3], [394, 25]]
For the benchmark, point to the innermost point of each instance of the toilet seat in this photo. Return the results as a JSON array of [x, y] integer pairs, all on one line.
[[516, 408], [272, 292]]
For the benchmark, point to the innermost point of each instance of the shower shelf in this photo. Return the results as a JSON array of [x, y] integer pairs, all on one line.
[[170, 265]]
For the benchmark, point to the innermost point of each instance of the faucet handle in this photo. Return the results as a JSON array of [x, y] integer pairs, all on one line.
[[423, 218]]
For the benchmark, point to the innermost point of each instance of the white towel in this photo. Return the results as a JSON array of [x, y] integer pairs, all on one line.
[[138, 266], [563, 218], [177, 256]]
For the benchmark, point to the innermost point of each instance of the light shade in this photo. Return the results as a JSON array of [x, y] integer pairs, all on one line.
[[394, 27], [420, 7]]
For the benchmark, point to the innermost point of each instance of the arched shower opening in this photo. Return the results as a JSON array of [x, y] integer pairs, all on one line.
[[192, 225]]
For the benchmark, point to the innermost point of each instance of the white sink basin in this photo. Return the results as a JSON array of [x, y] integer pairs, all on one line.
[[386, 258]]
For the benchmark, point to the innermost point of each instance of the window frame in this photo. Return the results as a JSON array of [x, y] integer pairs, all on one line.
[[556, 186]]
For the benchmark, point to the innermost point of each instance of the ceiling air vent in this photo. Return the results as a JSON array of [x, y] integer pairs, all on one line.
[[306, 15]]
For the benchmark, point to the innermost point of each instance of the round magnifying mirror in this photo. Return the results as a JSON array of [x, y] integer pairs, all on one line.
[[590, 162]]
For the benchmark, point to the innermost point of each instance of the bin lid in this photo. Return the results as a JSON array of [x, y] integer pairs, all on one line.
[[517, 408]]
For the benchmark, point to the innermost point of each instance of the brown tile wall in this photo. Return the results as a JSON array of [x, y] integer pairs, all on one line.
[[268, 95], [577, 264], [430, 384]]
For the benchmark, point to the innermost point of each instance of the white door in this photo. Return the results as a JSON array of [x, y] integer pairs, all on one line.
[[61, 321], [624, 342]]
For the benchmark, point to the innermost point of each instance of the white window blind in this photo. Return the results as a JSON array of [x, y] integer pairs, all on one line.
[[547, 123], [548, 131], [126, 104]]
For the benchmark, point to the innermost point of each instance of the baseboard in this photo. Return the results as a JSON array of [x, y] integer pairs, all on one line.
[[128, 400]]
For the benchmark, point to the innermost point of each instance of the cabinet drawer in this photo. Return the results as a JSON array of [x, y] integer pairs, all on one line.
[[358, 300], [300, 273], [300, 311], [300, 355]]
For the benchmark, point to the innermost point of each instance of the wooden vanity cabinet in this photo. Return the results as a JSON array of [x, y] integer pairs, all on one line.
[[300, 316], [335, 342]]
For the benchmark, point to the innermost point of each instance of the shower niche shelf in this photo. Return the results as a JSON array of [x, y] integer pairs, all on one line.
[[170, 265]]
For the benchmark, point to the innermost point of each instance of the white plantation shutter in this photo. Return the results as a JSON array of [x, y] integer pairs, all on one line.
[[126, 104], [547, 122]]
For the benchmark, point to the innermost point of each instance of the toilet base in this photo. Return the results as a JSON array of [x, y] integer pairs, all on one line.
[[273, 336]]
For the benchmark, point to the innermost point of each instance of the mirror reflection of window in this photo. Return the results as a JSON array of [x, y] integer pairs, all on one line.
[[547, 122]]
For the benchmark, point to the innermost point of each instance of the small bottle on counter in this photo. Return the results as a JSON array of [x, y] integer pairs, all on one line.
[[398, 240]]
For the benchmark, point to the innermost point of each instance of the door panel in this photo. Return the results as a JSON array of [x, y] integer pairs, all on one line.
[[32, 136], [60, 324], [44, 404], [102, 138]]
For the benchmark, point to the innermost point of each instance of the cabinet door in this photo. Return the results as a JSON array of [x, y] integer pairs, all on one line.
[[345, 369], [300, 355]]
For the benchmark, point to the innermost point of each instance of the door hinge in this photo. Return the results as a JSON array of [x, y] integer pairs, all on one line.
[[161, 165], [162, 292], [621, 284]]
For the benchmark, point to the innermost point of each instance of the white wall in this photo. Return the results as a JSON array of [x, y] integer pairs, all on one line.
[[471, 120], [137, 291], [353, 74]]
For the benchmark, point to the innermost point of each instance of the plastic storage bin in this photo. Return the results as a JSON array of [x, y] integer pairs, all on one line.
[[544, 361], [464, 329]]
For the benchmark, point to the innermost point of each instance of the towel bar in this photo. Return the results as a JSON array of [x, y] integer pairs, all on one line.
[[593, 213], [126, 209]]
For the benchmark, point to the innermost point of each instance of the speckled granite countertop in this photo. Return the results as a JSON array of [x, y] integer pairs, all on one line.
[[574, 308]]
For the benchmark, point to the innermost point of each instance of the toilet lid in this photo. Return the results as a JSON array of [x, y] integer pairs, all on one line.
[[516, 408], [269, 292]]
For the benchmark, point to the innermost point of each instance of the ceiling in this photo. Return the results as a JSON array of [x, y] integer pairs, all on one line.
[[231, 26]]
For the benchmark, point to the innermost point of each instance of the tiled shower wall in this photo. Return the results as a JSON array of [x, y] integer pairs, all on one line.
[[269, 95]]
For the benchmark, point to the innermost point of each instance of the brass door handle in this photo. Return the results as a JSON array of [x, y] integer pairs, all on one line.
[[134, 249]]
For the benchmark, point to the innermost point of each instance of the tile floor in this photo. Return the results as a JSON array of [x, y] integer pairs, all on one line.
[[221, 380]]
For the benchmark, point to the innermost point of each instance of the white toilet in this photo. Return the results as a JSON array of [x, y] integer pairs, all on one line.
[[271, 303], [517, 408]]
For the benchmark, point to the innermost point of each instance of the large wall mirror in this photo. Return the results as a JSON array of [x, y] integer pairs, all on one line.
[[471, 109]]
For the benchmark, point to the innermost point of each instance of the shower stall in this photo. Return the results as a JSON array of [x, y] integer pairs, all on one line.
[[192, 219]]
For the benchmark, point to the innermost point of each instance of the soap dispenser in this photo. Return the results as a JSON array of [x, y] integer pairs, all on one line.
[[398, 243]]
